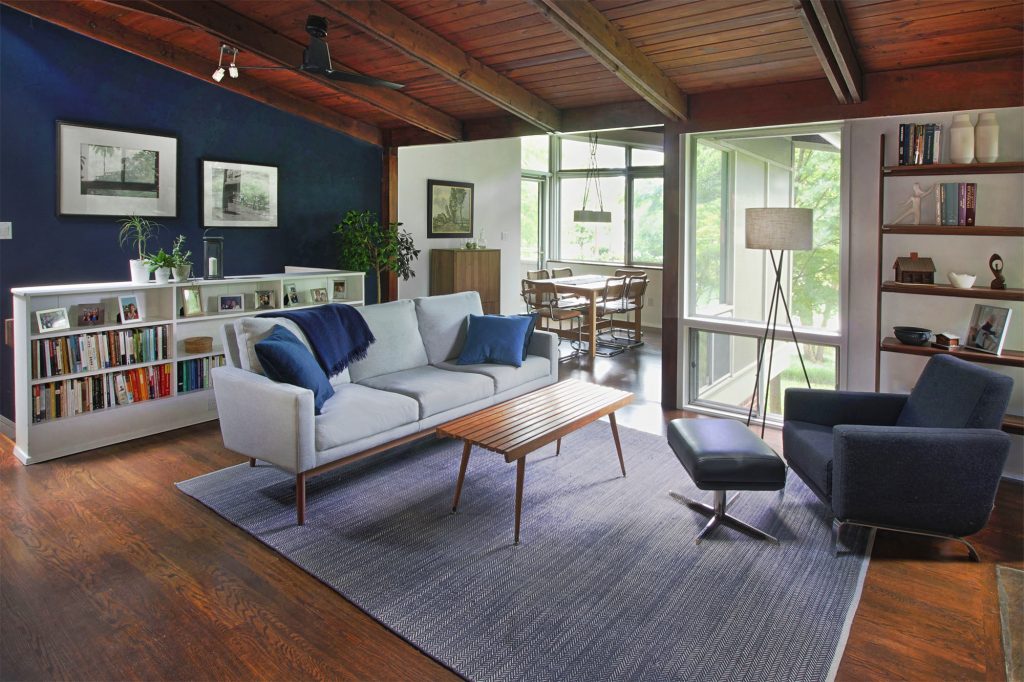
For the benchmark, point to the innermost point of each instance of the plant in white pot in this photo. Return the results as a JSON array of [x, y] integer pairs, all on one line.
[[182, 260], [136, 231], [160, 264]]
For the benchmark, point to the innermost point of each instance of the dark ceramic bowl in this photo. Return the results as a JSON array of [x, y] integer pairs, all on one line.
[[913, 336]]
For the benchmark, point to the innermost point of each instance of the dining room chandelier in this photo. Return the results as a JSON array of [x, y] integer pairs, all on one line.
[[583, 215]]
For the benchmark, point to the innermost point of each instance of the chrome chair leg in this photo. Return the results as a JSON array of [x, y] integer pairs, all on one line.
[[972, 553], [719, 516]]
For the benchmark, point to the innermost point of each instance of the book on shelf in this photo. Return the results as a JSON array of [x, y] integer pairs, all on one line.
[[94, 351], [956, 203], [919, 144], [69, 397], [194, 375]]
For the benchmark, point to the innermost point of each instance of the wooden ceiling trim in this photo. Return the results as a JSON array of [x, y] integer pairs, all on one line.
[[816, 34], [250, 36], [393, 27], [602, 39], [111, 32], [958, 12], [833, 25]]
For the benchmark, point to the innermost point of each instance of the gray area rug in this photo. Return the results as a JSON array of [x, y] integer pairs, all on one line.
[[606, 583]]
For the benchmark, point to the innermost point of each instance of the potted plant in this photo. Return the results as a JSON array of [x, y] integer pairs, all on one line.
[[182, 261], [365, 245], [136, 231], [160, 264]]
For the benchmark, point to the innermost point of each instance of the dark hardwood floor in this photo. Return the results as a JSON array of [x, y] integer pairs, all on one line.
[[107, 572]]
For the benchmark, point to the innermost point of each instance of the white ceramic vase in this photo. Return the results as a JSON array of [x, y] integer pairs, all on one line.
[[961, 139], [140, 273], [163, 275], [986, 138]]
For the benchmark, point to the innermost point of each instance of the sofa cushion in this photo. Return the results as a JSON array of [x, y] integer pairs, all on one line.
[[399, 345], [442, 323], [493, 338], [285, 358], [436, 390], [505, 377], [808, 450], [356, 412], [251, 330]]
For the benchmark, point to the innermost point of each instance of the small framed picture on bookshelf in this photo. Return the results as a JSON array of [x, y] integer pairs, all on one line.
[[340, 290], [265, 299], [987, 330], [191, 302], [291, 294], [53, 319], [231, 303], [91, 315], [130, 309], [318, 295]]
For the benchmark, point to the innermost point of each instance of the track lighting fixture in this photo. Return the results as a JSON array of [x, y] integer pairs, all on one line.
[[232, 70]]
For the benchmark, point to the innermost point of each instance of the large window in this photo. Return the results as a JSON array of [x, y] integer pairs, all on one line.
[[729, 287]]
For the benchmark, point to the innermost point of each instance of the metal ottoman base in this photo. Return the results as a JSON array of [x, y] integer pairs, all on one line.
[[719, 516]]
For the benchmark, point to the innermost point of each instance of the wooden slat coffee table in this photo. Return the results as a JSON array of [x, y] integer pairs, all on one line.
[[517, 427]]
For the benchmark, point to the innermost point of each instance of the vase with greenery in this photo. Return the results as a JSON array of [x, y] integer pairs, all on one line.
[[160, 264], [136, 232], [365, 246], [182, 260]]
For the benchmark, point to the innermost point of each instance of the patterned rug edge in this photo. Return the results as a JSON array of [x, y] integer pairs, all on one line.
[[851, 611]]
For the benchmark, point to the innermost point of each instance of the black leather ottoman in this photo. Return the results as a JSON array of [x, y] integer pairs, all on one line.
[[722, 455]]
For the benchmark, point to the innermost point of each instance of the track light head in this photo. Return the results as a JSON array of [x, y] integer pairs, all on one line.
[[218, 75], [233, 71]]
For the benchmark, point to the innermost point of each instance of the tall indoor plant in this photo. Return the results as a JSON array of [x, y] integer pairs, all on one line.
[[136, 231], [365, 245]]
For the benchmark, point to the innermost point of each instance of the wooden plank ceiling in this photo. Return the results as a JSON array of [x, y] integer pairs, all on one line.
[[465, 60]]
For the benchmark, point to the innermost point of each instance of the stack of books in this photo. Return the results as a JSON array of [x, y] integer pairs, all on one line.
[[920, 143], [956, 203]]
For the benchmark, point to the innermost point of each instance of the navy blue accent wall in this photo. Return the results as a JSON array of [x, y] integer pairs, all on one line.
[[48, 73]]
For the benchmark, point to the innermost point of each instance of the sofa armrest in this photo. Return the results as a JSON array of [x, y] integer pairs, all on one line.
[[265, 419], [545, 344], [936, 479], [829, 408]]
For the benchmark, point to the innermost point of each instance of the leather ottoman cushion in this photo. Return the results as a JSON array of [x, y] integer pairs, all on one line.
[[722, 454]]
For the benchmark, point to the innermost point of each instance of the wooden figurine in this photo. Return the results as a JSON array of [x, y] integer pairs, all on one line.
[[914, 270], [995, 264]]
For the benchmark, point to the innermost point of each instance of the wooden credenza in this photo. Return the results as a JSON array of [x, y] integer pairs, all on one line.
[[454, 270]]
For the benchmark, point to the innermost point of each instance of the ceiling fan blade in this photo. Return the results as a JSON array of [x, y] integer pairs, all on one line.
[[360, 78]]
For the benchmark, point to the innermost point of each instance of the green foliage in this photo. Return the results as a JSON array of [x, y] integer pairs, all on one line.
[[364, 245], [181, 260], [648, 221], [815, 298], [160, 259], [136, 231], [709, 199]]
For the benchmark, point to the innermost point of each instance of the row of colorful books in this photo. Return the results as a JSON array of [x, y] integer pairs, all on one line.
[[194, 375], [920, 143], [956, 203], [93, 352], [77, 396]]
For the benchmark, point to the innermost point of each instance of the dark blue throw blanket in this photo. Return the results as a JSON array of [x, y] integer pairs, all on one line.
[[337, 333]]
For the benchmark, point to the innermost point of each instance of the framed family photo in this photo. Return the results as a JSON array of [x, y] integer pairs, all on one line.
[[115, 172], [91, 315], [987, 330], [231, 303], [291, 294], [318, 295], [53, 319], [265, 299], [340, 290], [449, 209], [129, 309], [238, 194]]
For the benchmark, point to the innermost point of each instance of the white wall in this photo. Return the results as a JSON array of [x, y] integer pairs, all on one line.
[[493, 168], [1000, 202]]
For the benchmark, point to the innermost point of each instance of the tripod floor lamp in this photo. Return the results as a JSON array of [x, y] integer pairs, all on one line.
[[771, 230]]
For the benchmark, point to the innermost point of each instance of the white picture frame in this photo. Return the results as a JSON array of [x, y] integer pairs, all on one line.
[[130, 309], [987, 329], [191, 302], [238, 194], [339, 290], [318, 295], [52, 320], [231, 303], [265, 299]]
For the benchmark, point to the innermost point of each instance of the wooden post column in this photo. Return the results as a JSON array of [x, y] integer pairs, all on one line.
[[389, 212]]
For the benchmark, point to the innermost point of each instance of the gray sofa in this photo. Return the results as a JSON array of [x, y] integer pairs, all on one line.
[[408, 384]]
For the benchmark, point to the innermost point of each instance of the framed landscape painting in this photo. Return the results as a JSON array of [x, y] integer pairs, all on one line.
[[449, 208], [238, 194], [114, 172]]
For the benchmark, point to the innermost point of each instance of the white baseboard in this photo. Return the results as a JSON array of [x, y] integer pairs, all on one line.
[[7, 427]]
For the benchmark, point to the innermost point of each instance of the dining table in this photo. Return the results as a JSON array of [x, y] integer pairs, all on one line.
[[591, 288]]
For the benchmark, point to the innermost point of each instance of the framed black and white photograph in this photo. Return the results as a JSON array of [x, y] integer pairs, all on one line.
[[114, 172], [130, 309], [449, 208], [91, 315], [265, 299], [230, 304], [318, 295], [191, 302], [238, 194], [987, 330], [53, 319], [291, 294], [340, 290]]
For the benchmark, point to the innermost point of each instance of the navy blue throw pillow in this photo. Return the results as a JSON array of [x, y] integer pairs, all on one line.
[[286, 359], [529, 332], [495, 339]]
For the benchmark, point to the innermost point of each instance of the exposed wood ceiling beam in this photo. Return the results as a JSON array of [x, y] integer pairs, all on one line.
[[244, 33], [606, 43], [823, 22], [75, 18], [388, 24]]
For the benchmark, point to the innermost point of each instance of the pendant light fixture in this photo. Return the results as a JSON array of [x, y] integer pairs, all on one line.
[[583, 215]]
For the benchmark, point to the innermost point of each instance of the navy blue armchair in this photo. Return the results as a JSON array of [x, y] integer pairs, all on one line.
[[928, 463]]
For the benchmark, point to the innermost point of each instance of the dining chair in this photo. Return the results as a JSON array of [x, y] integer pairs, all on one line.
[[614, 290], [630, 272], [544, 299], [561, 272], [538, 274], [631, 301]]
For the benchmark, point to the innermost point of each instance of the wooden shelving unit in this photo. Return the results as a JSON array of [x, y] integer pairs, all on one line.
[[1008, 358]]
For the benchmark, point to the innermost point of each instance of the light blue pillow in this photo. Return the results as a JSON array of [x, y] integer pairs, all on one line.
[[284, 358], [495, 339]]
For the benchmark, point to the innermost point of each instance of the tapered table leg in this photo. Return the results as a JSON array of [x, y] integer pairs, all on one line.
[[520, 475], [558, 447], [300, 498], [618, 445], [466, 447]]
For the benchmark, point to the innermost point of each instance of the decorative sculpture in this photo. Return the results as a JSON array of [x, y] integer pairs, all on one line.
[[913, 205], [995, 264]]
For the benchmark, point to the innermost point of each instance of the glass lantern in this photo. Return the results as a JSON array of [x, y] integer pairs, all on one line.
[[213, 257]]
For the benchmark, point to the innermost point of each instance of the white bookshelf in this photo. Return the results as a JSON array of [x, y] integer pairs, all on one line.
[[38, 441]]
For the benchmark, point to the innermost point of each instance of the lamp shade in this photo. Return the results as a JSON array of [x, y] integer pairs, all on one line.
[[780, 229]]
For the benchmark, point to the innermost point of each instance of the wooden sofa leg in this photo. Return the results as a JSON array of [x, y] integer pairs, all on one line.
[[252, 461], [300, 497]]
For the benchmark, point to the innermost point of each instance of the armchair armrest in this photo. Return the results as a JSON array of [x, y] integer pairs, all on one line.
[[545, 344], [829, 408], [265, 419], [934, 479]]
